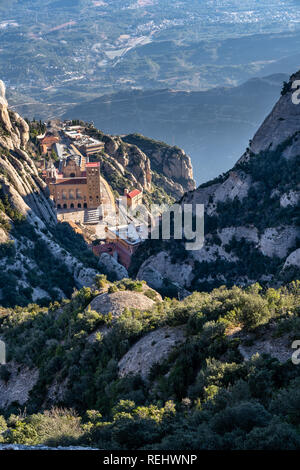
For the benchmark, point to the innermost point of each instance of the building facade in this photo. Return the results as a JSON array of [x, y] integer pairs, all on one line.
[[76, 185], [134, 198]]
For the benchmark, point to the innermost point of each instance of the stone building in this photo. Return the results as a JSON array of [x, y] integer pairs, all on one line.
[[76, 185], [134, 198], [47, 143]]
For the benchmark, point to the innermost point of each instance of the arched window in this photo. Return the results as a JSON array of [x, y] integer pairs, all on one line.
[[58, 206], [72, 206], [65, 206], [79, 206], [85, 205]]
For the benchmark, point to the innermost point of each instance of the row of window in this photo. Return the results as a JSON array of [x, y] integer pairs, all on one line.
[[71, 206], [71, 194]]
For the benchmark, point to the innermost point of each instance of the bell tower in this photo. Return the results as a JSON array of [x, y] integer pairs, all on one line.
[[93, 185]]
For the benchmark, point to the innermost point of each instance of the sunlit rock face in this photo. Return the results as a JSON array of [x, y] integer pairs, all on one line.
[[2, 93]]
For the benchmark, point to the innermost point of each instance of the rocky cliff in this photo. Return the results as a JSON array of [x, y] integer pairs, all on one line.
[[251, 215], [171, 162], [130, 161], [29, 246], [143, 163]]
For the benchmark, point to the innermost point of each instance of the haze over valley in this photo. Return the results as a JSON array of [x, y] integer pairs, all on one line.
[[67, 54]]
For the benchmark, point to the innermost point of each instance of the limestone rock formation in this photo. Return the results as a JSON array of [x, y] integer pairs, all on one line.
[[175, 165], [293, 259], [147, 165], [112, 266], [130, 159], [151, 349], [281, 124], [170, 162], [20, 382], [160, 267], [117, 302]]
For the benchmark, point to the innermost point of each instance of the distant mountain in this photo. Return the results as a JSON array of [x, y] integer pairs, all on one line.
[[212, 126], [66, 52]]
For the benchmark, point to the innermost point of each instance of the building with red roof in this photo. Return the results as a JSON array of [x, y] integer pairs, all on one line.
[[134, 198]]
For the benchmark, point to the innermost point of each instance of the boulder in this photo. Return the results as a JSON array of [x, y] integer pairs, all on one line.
[[112, 266], [151, 349], [20, 382], [117, 302]]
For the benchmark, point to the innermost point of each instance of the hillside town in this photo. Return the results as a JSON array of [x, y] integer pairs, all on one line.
[[81, 195]]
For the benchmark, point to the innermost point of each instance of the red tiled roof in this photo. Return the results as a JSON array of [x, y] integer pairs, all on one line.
[[134, 193], [92, 165], [49, 139]]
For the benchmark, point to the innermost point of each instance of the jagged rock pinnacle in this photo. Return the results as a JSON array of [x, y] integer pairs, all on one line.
[[2, 93]]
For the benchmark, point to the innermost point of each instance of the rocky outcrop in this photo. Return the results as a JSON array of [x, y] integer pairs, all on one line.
[[151, 349], [293, 259], [20, 382], [291, 198], [170, 162], [175, 165], [278, 241], [130, 159], [279, 349], [14, 131], [160, 267], [135, 161], [116, 302], [112, 267], [281, 124]]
